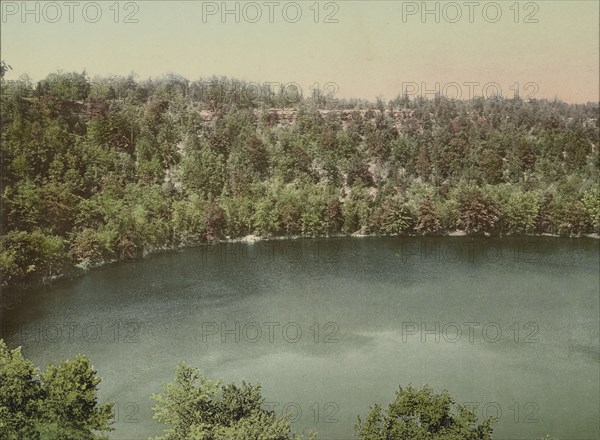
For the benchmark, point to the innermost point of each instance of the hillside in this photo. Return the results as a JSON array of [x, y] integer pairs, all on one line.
[[109, 169]]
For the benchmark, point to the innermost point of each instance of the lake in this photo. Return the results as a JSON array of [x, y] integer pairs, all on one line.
[[329, 327]]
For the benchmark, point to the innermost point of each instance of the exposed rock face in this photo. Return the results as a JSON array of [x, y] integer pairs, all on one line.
[[287, 116]]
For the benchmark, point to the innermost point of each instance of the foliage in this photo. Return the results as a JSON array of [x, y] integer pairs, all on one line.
[[591, 201], [421, 414], [479, 212], [197, 408], [61, 403], [428, 218], [26, 255], [19, 394], [392, 217], [4, 68], [519, 209], [114, 168]]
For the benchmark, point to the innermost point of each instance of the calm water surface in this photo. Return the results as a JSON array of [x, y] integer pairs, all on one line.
[[329, 327]]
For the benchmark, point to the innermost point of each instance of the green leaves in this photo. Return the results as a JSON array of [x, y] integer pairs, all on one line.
[[67, 86], [186, 403], [70, 404], [61, 403], [521, 212], [116, 168], [421, 414], [203, 171], [591, 201], [121, 223], [195, 407], [392, 217], [31, 256], [479, 212], [19, 394], [428, 217], [519, 209]]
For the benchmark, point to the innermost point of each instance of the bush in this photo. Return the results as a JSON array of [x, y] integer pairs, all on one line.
[[391, 217], [428, 221], [61, 403], [591, 201], [196, 408], [31, 256], [478, 212], [421, 414]]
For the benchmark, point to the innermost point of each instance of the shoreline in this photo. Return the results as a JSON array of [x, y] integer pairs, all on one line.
[[82, 269]]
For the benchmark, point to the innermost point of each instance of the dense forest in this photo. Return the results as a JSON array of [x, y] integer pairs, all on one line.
[[113, 168]]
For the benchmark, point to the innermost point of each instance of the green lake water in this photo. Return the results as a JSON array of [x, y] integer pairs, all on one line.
[[331, 326]]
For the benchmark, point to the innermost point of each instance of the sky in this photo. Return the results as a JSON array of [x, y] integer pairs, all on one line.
[[365, 49]]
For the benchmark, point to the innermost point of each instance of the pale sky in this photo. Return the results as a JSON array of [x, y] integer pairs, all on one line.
[[374, 49]]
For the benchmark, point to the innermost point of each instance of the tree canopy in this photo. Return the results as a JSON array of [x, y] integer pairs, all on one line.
[[196, 408], [103, 169], [60, 403], [422, 414]]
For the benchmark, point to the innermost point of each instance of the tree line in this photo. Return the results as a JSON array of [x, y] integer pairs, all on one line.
[[113, 168]]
